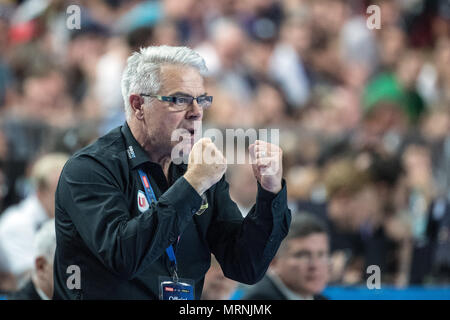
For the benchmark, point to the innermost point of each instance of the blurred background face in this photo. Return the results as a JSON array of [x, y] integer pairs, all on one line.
[[304, 265], [392, 42], [297, 33], [339, 209], [269, 105], [229, 42], [43, 94], [365, 208], [328, 15], [386, 116], [443, 58], [408, 69], [417, 163]]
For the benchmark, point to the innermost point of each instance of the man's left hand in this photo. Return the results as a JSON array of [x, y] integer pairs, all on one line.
[[266, 159]]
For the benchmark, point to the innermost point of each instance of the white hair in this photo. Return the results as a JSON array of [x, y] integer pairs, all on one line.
[[45, 241], [142, 72]]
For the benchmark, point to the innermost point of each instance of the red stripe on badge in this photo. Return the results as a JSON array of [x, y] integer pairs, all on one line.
[[168, 289], [146, 182]]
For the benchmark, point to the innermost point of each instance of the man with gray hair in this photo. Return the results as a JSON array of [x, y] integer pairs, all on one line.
[[40, 287], [133, 223]]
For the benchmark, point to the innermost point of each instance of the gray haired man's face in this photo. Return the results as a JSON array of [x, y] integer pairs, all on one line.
[[161, 120]]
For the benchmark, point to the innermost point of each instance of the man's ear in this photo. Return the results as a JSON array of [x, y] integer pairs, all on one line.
[[274, 263], [137, 106], [40, 263]]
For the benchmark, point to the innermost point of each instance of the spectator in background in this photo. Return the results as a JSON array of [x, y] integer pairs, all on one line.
[[438, 233], [270, 108], [6, 76], [385, 230], [217, 286], [310, 68], [19, 223], [223, 57], [434, 78], [390, 101], [243, 188], [343, 181], [435, 129], [40, 286], [3, 184], [300, 270], [386, 123], [365, 218], [391, 45], [291, 51]]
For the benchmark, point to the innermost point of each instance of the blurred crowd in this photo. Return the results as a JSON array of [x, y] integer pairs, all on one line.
[[363, 114]]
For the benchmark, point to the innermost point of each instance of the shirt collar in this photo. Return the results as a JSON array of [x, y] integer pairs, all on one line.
[[135, 153], [41, 293], [288, 293]]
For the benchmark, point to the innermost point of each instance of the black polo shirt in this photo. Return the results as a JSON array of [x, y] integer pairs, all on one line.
[[120, 248]]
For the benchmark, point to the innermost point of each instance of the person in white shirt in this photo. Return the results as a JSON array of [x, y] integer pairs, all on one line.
[[19, 223]]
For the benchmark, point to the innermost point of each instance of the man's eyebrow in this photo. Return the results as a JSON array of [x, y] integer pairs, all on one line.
[[180, 93], [302, 251]]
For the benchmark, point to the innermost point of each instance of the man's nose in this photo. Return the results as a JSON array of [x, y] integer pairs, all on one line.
[[195, 111], [317, 260]]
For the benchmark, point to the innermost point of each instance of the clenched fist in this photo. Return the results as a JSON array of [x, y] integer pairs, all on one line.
[[206, 165], [267, 165]]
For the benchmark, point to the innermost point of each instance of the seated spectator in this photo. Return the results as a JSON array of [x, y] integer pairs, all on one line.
[[390, 100], [438, 233], [243, 188], [40, 286], [343, 181], [217, 286], [300, 268], [19, 223]]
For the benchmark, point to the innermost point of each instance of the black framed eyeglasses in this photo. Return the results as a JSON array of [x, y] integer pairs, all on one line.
[[183, 102]]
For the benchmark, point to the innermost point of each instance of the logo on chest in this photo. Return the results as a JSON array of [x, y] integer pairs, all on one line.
[[142, 201]]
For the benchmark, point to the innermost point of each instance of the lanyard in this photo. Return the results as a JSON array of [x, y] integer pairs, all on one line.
[[152, 198]]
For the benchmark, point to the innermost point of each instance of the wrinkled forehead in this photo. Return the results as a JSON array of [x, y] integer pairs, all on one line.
[[181, 79]]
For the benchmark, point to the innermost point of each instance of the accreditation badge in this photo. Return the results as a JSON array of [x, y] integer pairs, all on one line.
[[176, 289]]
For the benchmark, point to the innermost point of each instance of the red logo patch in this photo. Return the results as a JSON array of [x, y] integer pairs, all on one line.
[[142, 201]]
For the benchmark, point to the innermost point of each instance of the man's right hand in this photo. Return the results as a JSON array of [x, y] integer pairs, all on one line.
[[206, 165]]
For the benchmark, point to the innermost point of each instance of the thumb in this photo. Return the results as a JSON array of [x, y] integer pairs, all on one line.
[[206, 140]]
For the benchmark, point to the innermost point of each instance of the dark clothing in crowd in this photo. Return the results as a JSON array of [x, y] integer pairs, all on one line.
[[28, 292], [267, 289], [431, 257]]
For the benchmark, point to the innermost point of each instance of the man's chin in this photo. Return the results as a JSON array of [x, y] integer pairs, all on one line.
[[182, 152]]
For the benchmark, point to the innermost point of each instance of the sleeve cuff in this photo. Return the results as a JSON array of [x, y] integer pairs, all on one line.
[[267, 196], [182, 197]]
